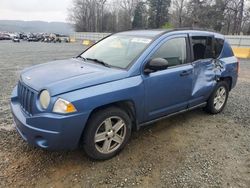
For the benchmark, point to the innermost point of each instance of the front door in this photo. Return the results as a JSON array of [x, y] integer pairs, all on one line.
[[169, 90]]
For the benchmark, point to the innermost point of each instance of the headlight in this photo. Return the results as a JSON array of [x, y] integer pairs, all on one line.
[[44, 99], [63, 106]]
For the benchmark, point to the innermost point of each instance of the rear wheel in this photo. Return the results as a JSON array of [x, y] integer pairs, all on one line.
[[107, 133], [218, 98]]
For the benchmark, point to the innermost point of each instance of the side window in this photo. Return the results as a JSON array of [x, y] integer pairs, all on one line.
[[218, 45], [202, 47], [174, 51]]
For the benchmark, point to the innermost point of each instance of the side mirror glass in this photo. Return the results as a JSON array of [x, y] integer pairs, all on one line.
[[156, 64]]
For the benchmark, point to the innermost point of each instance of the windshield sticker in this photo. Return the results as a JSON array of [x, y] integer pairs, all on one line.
[[116, 44], [141, 40]]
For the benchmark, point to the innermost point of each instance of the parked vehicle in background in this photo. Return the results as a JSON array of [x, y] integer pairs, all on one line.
[[57, 39], [123, 82], [66, 40], [46, 39], [22, 36], [52, 38], [33, 39], [16, 39], [4, 36]]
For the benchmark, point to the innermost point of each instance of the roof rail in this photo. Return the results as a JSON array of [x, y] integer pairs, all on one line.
[[193, 28]]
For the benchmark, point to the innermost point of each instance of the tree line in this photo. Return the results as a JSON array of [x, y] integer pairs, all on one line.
[[225, 16]]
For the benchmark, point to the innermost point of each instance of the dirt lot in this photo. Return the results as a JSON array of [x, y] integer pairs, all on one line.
[[189, 150]]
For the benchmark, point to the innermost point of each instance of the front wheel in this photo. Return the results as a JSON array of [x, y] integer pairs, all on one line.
[[218, 98], [107, 133]]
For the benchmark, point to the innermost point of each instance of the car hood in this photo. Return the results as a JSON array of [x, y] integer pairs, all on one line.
[[68, 75]]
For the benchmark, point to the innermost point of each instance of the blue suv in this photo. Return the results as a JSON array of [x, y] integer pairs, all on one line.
[[123, 82]]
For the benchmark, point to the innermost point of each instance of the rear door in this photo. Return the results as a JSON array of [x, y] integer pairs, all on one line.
[[204, 78]]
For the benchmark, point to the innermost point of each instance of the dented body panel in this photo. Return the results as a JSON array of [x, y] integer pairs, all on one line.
[[204, 80]]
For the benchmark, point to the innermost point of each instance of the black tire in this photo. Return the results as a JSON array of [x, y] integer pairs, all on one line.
[[96, 120], [210, 108]]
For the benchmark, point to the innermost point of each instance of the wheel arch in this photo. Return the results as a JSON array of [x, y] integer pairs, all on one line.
[[229, 80], [127, 105]]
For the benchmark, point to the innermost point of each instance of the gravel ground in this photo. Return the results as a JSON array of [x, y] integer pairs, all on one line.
[[189, 150]]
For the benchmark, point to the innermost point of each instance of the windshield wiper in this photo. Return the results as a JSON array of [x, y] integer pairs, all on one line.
[[98, 61], [81, 57]]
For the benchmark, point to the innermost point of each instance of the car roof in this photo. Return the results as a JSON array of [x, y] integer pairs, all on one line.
[[155, 33], [143, 33]]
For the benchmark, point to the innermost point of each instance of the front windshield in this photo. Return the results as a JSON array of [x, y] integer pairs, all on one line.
[[117, 50]]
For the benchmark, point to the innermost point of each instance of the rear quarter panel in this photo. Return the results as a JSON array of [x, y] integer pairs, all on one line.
[[230, 70], [230, 63]]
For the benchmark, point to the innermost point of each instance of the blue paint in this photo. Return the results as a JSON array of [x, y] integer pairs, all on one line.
[[89, 86]]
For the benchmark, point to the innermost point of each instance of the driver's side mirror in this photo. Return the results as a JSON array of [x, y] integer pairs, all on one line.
[[156, 64]]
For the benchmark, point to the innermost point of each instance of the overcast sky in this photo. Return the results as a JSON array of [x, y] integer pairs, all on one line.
[[45, 10]]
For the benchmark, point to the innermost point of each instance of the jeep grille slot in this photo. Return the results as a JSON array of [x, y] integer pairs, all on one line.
[[26, 97]]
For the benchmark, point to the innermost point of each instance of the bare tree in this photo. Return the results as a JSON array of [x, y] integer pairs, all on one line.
[[179, 7], [241, 10], [102, 3], [87, 15], [226, 16], [128, 9]]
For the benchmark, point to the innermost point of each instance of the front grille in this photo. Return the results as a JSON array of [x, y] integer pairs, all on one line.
[[26, 97]]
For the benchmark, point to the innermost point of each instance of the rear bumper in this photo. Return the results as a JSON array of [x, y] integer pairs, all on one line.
[[47, 130]]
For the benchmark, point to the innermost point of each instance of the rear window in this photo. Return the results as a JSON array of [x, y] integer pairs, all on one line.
[[218, 46], [202, 47], [227, 50]]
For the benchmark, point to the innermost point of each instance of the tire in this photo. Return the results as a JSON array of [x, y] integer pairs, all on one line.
[[107, 133], [216, 104]]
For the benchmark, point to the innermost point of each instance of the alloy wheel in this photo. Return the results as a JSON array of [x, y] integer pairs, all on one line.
[[110, 135], [220, 98]]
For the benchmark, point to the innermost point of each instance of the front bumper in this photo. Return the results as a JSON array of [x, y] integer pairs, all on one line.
[[48, 130]]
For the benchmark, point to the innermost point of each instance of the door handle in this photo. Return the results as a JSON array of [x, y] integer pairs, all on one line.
[[185, 73]]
